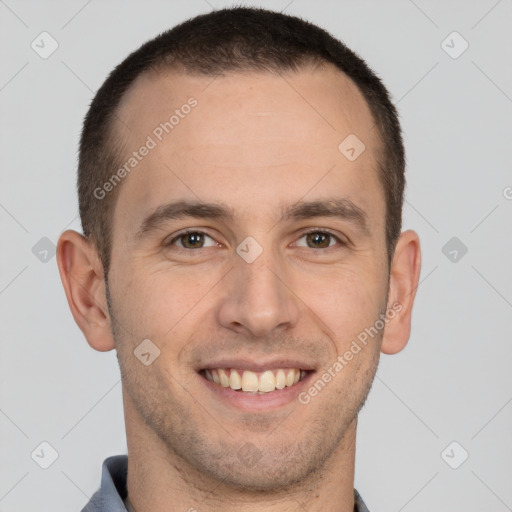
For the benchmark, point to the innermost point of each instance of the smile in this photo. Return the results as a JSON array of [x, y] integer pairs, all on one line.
[[254, 382]]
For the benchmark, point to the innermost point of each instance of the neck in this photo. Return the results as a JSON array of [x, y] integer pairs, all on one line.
[[161, 481]]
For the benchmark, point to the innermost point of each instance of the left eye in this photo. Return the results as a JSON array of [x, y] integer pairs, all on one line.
[[193, 240], [318, 240]]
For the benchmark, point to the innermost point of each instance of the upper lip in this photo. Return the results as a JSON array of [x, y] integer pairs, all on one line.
[[258, 365]]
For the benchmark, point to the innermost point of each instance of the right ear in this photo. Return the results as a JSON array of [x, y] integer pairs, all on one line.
[[81, 272]]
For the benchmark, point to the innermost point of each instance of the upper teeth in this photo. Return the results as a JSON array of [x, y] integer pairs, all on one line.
[[246, 380]]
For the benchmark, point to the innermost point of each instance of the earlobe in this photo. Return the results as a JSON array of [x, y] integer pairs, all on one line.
[[404, 277], [82, 276]]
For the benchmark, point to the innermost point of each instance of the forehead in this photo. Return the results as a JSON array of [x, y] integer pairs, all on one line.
[[323, 96], [248, 138]]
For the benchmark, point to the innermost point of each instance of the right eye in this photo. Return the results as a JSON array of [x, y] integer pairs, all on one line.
[[192, 240]]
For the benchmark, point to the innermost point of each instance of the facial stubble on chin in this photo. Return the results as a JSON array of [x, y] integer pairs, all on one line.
[[277, 460]]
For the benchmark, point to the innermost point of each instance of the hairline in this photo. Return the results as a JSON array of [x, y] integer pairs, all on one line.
[[115, 144]]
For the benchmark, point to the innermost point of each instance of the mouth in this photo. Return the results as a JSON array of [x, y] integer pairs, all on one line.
[[255, 382], [256, 385]]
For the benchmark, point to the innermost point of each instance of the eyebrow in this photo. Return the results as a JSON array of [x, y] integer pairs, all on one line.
[[182, 210], [341, 208]]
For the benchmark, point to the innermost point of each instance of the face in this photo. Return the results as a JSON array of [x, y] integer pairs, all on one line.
[[251, 252]]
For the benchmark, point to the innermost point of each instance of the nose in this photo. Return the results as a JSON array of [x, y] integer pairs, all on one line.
[[256, 299]]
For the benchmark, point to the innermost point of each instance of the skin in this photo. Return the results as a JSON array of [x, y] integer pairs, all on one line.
[[255, 143]]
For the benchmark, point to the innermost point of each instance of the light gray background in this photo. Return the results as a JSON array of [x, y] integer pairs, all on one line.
[[452, 383]]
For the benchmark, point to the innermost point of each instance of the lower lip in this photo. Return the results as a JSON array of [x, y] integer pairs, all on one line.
[[256, 402]]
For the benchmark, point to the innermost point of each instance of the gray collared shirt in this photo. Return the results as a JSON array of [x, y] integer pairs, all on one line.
[[111, 496]]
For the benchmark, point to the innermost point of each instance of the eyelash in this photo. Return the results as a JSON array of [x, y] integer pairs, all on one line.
[[323, 232], [183, 233], [196, 231]]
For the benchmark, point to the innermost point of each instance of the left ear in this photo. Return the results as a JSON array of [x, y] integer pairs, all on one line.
[[403, 282]]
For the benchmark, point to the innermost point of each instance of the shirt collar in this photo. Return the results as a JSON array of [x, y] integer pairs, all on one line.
[[113, 491], [109, 497]]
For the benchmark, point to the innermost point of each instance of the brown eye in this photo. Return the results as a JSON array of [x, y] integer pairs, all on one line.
[[318, 240], [192, 240]]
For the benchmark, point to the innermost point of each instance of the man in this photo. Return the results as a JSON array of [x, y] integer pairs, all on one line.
[[240, 187]]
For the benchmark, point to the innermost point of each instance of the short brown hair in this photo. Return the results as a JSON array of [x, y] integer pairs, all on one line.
[[230, 39]]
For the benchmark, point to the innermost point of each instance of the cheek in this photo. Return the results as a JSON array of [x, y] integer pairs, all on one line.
[[158, 304], [348, 303]]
